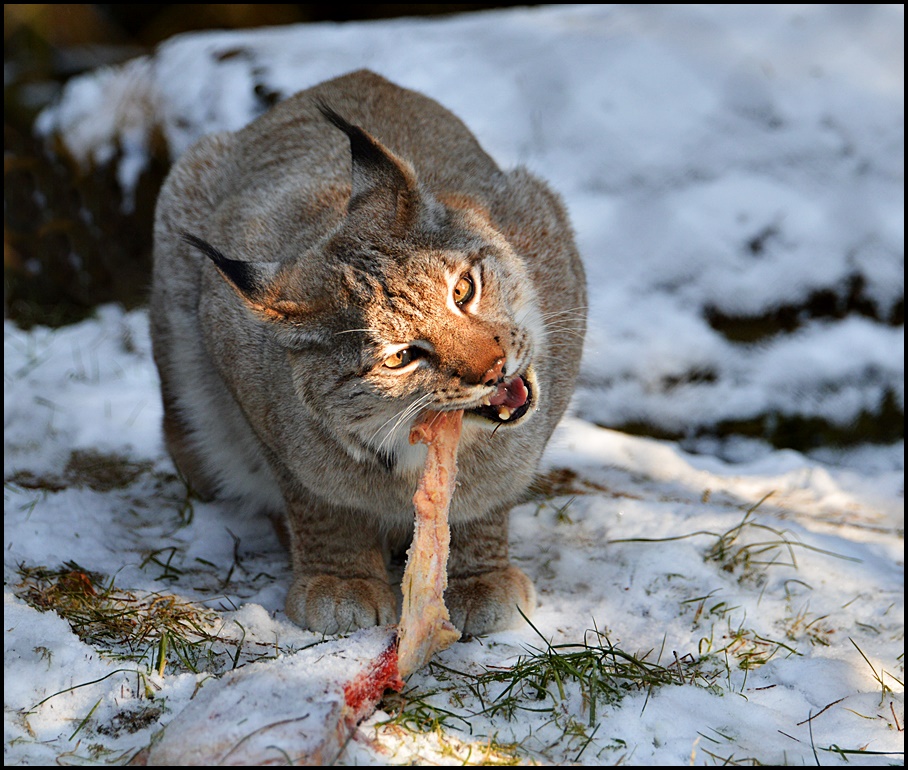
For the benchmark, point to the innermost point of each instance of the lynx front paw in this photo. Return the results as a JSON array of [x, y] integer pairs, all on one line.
[[480, 604], [328, 604]]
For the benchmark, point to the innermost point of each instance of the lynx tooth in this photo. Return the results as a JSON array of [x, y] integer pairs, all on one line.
[[504, 413]]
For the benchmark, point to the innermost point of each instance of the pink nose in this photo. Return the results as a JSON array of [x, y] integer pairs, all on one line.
[[494, 374]]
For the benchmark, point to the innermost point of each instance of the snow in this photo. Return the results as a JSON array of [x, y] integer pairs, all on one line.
[[679, 135]]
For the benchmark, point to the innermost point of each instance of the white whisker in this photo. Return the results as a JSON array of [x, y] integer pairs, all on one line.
[[576, 331], [579, 311], [566, 327], [393, 417], [405, 415], [530, 314], [400, 418], [350, 331]]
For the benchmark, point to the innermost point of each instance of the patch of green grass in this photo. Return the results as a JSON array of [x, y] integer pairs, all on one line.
[[603, 672], [570, 683], [166, 633], [748, 548]]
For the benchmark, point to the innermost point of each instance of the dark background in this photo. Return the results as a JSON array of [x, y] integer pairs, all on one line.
[[67, 246]]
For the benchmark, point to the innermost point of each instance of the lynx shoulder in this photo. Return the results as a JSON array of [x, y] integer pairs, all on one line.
[[322, 277]]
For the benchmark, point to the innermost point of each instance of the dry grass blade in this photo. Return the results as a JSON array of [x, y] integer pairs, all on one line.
[[878, 676], [735, 552], [160, 630]]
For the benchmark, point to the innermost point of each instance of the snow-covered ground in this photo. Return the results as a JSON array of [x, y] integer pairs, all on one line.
[[715, 160]]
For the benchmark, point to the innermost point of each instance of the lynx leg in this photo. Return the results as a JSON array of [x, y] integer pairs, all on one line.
[[340, 582], [185, 456], [484, 588]]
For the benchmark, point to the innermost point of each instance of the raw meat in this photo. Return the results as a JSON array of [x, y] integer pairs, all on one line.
[[425, 626]]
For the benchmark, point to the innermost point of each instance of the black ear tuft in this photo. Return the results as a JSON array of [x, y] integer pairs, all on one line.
[[333, 117], [379, 177], [243, 275], [362, 146]]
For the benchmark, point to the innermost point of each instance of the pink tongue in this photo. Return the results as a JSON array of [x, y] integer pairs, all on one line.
[[511, 394]]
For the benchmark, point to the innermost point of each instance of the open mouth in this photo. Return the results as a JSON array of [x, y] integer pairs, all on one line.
[[511, 402]]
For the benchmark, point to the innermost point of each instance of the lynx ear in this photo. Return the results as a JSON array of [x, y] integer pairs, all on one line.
[[254, 282], [384, 186], [267, 295], [250, 279]]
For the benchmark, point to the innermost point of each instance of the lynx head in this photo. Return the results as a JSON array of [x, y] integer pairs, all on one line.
[[412, 302]]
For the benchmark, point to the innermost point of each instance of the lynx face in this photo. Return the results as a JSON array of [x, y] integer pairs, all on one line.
[[411, 304], [456, 330]]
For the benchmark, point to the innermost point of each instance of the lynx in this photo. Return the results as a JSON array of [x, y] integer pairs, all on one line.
[[324, 275]]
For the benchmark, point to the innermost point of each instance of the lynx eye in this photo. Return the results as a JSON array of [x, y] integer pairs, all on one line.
[[401, 358], [464, 290]]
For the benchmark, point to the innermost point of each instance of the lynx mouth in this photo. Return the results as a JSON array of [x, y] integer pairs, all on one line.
[[513, 401]]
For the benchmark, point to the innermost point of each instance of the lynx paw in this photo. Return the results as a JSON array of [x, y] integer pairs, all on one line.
[[328, 604], [480, 604]]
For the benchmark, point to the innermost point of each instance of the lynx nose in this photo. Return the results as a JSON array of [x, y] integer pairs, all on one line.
[[494, 374]]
